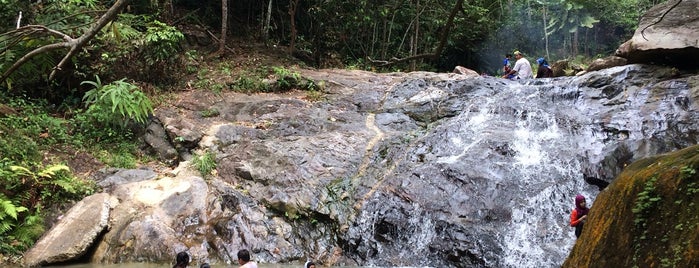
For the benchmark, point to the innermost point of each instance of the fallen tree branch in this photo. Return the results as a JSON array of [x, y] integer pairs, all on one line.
[[79, 43], [30, 55], [74, 44], [392, 61]]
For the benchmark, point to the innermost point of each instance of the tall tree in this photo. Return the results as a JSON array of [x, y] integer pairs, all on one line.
[[293, 5], [443, 38], [224, 27], [268, 18]]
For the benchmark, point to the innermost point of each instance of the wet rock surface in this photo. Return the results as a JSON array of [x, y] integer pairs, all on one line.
[[471, 171]]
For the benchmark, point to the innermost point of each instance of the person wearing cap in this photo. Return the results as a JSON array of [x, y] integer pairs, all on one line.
[[579, 214], [544, 70], [522, 69]]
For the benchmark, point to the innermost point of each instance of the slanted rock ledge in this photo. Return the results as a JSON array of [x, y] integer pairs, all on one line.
[[73, 234]]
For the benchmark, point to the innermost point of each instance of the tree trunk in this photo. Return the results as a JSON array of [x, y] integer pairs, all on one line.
[[447, 28], [416, 36], [268, 19], [292, 20], [442, 41], [574, 43], [544, 12], [224, 27]]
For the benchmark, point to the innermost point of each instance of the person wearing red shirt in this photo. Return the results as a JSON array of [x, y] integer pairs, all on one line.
[[579, 214]]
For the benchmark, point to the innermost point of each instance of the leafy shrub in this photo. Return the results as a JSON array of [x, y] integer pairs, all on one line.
[[30, 130], [117, 103], [161, 43], [141, 48], [205, 163], [246, 84], [286, 79], [211, 112]]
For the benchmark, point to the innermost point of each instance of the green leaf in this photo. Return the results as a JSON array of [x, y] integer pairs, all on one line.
[[52, 170], [588, 21]]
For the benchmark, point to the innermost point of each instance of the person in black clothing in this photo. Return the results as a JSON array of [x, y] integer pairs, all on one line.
[[544, 69], [182, 260]]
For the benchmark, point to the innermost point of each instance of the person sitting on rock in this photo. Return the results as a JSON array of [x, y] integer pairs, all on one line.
[[182, 260], [506, 66], [579, 214], [544, 70], [522, 69]]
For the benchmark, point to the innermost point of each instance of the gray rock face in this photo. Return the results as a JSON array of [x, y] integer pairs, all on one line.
[[472, 172], [74, 233], [666, 34], [154, 219], [475, 172]]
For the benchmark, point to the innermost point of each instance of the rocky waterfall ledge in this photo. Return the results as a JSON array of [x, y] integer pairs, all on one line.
[[416, 169]]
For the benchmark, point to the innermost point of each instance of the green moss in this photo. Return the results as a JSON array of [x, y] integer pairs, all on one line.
[[646, 218]]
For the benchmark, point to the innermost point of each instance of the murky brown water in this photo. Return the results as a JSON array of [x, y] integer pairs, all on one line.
[[155, 265]]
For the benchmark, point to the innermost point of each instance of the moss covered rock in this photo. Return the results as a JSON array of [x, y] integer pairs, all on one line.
[[648, 217]]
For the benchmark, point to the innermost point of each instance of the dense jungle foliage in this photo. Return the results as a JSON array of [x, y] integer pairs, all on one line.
[[82, 76]]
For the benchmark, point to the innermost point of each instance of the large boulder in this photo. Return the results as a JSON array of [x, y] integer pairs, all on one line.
[[667, 34], [646, 218], [74, 233]]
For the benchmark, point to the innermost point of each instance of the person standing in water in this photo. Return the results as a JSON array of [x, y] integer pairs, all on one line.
[[309, 264], [182, 260], [579, 214], [244, 259]]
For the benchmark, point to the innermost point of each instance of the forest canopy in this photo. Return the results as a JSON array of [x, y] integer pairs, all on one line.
[[369, 34]]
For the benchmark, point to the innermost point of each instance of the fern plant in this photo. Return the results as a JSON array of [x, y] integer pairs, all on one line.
[[8, 214], [25, 192]]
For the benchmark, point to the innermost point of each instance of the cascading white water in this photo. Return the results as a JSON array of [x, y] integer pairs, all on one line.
[[491, 180], [540, 222], [545, 165]]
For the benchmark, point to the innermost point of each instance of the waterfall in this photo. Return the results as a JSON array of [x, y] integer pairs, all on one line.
[[544, 166], [493, 179]]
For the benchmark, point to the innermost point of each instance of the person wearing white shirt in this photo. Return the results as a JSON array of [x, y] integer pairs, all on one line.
[[522, 69]]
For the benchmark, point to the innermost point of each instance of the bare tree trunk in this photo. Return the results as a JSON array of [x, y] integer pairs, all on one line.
[[442, 41], [292, 20], [574, 43], [268, 19], [544, 12], [447, 28], [224, 28], [169, 10], [416, 36]]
